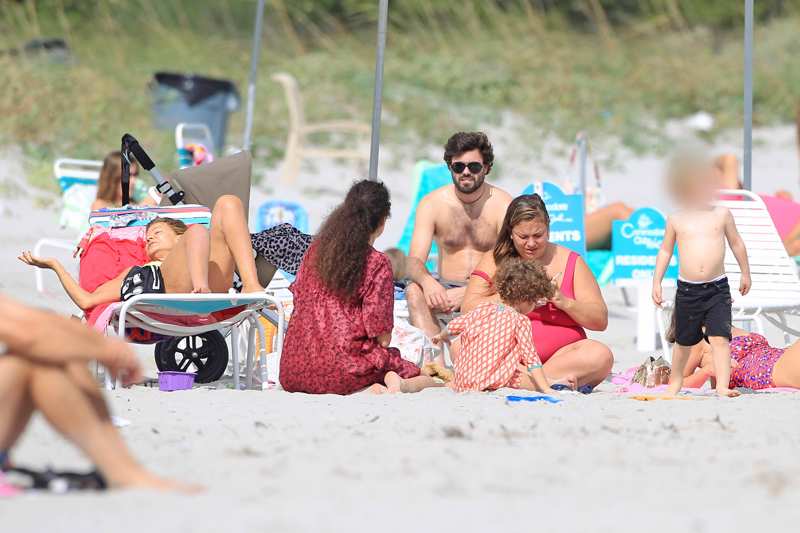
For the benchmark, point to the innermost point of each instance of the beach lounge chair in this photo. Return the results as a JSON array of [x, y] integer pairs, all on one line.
[[199, 322], [775, 291], [298, 144]]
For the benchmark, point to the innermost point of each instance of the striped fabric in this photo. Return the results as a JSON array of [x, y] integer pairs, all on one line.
[[141, 216]]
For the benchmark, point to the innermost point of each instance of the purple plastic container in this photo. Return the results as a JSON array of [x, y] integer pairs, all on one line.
[[171, 381]]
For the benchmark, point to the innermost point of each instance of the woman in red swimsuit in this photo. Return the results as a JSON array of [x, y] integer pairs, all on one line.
[[558, 327]]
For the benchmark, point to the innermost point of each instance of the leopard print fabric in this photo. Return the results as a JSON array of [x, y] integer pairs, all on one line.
[[283, 246]]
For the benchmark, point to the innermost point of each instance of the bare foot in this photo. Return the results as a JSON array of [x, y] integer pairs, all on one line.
[[394, 383], [728, 393], [249, 288], [146, 480], [201, 290], [569, 381], [376, 388]]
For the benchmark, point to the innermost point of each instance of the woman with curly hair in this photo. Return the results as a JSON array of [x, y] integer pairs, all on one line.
[[496, 343], [338, 339]]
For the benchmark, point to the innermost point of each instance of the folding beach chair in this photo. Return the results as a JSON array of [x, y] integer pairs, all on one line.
[[775, 291]]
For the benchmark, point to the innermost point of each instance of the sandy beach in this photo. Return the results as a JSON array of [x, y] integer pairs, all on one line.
[[273, 461]]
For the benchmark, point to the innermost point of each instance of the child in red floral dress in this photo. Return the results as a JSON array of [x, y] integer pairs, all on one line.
[[497, 347]]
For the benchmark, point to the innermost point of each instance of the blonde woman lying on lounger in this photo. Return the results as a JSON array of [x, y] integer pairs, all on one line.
[[182, 259]]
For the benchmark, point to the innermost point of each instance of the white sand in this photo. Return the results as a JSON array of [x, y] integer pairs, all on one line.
[[436, 460]]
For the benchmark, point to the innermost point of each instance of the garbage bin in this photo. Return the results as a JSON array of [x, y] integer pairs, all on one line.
[[194, 99]]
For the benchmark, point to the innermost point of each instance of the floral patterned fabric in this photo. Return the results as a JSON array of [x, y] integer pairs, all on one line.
[[495, 340], [755, 360], [331, 345]]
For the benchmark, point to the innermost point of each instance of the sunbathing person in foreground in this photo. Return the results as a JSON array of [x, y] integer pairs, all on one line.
[[43, 367], [496, 343], [338, 339], [182, 259]]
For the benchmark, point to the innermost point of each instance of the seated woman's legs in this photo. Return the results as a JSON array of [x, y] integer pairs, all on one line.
[[231, 246], [586, 362], [394, 383], [204, 261]]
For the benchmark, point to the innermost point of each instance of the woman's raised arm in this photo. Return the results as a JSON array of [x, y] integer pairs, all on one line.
[[588, 308]]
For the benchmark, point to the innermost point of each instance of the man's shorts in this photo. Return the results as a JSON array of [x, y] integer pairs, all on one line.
[[702, 304]]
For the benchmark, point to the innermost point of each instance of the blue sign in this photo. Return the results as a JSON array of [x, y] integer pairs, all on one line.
[[635, 243], [566, 215], [274, 212]]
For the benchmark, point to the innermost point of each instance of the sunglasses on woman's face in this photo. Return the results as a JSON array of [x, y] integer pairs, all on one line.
[[474, 167]]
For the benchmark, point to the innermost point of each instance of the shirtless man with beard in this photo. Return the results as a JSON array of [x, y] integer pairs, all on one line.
[[463, 219]]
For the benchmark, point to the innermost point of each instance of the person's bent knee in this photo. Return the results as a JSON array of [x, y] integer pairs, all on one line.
[[227, 201], [21, 368], [602, 357]]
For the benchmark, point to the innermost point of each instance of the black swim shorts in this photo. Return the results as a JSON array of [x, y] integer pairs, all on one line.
[[145, 279], [698, 305]]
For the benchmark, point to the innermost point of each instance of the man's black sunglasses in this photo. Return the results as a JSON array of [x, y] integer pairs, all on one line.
[[474, 167]]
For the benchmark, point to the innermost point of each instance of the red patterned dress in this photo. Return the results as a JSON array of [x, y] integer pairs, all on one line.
[[331, 345], [495, 340]]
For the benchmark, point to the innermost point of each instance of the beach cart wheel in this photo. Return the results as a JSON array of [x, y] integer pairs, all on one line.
[[205, 354]]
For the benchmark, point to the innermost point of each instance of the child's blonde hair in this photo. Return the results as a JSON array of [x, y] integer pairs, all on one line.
[[684, 169], [398, 260], [518, 280]]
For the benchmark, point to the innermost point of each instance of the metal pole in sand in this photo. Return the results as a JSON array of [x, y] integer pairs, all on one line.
[[247, 139], [748, 94], [383, 16]]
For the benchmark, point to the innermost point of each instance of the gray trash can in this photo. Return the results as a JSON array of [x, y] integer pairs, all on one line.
[[195, 99]]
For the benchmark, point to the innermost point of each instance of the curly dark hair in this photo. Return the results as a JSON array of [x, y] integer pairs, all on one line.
[[464, 141], [521, 209], [342, 243], [178, 226], [519, 280]]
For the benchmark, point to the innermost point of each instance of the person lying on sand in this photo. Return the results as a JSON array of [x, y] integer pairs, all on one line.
[[754, 365], [43, 367], [183, 259], [496, 343], [338, 339]]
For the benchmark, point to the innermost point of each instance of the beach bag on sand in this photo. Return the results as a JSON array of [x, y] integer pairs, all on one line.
[[653, 372]]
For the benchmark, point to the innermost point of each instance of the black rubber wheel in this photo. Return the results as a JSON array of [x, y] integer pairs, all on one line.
[[206, 354]]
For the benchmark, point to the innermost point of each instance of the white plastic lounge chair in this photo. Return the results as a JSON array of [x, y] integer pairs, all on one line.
[[775, 291], [298, 145], [77, 179]]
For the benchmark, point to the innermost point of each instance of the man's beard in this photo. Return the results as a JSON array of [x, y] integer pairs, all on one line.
[[468, 189]]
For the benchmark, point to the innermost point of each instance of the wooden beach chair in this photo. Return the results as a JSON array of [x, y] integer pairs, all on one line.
[[298, 144]]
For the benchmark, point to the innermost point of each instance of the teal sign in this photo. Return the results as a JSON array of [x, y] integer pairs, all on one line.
[[635, 243], [566, 215]]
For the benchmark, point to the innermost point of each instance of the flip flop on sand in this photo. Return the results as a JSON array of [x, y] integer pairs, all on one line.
[[61, 482]]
